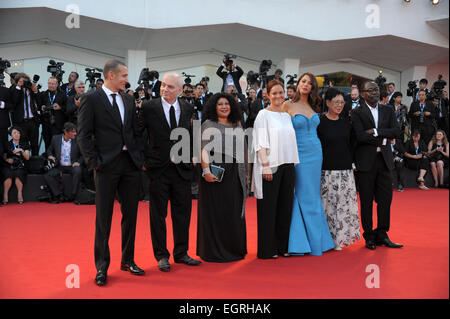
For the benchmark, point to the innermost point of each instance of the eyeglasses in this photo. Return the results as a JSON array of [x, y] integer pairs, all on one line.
[[338, 102], [374, 90]]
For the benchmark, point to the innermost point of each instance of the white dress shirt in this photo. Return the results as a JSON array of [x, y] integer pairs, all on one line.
[[119, 102], [166, 106], [374, 111], [65, 152]]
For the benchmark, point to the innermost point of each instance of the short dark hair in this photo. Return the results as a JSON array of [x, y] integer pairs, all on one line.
[[99, 80], [69, 127], [332, 92], [391, 83], [210, 112], [290, 86], [111, 65], [383, 94], [200, 84], [15, 128], [424, 81], [187, 85], [415, 132], [397, 94]]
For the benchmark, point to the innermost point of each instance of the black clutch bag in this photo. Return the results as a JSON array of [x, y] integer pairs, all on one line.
[[217, 171]]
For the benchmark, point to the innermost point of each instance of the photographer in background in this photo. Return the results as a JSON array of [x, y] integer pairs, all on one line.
[[397, 151], [232, 74], [5, 107], [423, 83], [257, 106], [276, 76], [53, 111], [73, 102], [16, 153], [69, 88], [422, 115], [25, 110], [401, 115], [99, 84], [65, 158], [206, 93], [156, 86], [240, 100]]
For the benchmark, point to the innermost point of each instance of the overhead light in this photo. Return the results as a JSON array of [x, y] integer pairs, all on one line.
[[434, 2], [408, 1]]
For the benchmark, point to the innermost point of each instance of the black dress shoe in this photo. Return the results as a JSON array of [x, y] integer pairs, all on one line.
[[188, 261], [100, 279], [133, 268], [388, 243], [164, 265], [371, 244]]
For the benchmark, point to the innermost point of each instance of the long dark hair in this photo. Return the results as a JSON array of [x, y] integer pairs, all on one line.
[[210, 112], [313, 97]]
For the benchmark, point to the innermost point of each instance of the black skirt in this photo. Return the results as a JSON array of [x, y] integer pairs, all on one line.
[[20, 173], [221, 232]]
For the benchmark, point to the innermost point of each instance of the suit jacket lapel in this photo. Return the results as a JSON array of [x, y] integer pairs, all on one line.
[[162, 115], [366, 109], [115, 113]]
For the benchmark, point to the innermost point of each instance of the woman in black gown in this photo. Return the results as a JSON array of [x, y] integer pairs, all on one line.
[[221, 226], [16, 153]]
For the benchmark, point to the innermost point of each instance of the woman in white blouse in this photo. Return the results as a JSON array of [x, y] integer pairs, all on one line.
[[276, 153]]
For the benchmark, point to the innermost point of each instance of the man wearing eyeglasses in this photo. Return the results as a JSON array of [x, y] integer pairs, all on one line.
[[375, 126]]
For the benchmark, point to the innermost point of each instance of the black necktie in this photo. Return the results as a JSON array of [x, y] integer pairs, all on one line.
[[173, 120], [26, 104], [115, 106]]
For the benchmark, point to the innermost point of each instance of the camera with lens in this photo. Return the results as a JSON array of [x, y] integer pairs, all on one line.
[[92, 75], [421, 116], [438, 86], [50, 165], [265, 66], [147, 76], [187, 79], [205, 79], [412, 86], [17, 162], [228, 60], [397, 157], [55, 68]]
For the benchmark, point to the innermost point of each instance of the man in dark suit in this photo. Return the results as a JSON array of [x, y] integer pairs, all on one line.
[[155, 88], [169, 178], [423, 116], [5, 106], [110, 141], [69, 88], [352, 103], [231, 76], [25, 110], [441, 107], [53, 103], [374, 125], [64, 152]]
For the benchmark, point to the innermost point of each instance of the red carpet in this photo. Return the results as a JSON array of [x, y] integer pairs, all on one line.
[[38, 241]]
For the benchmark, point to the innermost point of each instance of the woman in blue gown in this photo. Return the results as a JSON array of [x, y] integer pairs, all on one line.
[[309, 232]]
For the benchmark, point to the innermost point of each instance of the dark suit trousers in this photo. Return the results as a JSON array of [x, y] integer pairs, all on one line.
[[170, 186], [30, 130], [53, 178], [123, 176], [375, 184]]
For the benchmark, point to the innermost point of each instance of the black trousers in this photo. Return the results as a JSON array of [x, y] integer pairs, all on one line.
[[4, 135], [170, 186], [122, 176], [54, 176], [375, 184], [274, 212], [30, 131]]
